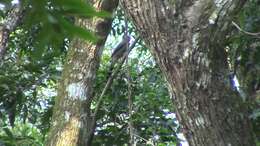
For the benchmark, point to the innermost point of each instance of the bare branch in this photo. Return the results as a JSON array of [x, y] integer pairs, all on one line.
[[147, 141], [257, 34], [130, 104], [109, 82]]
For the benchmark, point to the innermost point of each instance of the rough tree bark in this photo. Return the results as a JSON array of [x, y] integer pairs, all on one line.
[[10, 22], [187, 39], [72, 119]]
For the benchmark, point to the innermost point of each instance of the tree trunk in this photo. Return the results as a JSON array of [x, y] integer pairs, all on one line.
[[72, 118], [186, 37], [9, 24]]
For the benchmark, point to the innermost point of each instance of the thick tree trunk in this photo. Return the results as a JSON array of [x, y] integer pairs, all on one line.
[[187, 39], [72, 118], [9, 24]]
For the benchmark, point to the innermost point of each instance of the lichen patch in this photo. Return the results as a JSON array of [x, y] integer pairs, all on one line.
[[76, 91]]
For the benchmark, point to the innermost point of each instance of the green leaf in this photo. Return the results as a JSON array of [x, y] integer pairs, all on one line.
[[80, 8], [78, 31], [8, 132]]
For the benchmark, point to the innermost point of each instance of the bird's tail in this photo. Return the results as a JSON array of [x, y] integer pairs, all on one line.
[[110, 70]]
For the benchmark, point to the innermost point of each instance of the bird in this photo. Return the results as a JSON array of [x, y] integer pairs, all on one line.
[[118, 52], [120, 49]]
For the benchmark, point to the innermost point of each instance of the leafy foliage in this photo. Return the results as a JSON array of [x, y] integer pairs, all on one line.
[[245, 57], [152, 107], [21, 135], [33, 64]]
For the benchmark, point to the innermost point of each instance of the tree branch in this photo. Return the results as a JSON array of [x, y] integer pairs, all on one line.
[[256, 34], [109, 82], [130, 104]]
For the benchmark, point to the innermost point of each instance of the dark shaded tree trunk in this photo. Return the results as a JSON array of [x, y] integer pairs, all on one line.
[[72, 117], [187, 37]]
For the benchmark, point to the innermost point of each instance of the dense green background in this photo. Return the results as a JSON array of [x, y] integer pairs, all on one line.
[[36, 52]]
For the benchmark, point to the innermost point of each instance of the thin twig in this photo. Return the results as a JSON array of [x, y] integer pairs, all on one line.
[[130, 107], [257, 34], [130, 104], [147, 141]]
